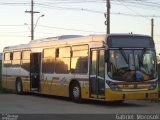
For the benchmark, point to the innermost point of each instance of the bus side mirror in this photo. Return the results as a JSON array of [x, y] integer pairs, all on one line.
[[107, 56]]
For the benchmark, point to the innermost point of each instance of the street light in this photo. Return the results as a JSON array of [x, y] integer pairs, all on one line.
[[38, 20], [28, 27], [32, 36]]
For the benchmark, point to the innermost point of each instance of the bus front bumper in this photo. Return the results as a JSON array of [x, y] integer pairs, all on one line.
[[133, 95]]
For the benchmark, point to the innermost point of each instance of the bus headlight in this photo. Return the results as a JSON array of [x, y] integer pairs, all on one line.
[[152, 86], [113, 86]]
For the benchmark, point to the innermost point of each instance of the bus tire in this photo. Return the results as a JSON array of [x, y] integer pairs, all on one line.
[[19, 87], [76, 92]]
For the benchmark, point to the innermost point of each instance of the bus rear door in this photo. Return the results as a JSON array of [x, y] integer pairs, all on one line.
[[35, 67]]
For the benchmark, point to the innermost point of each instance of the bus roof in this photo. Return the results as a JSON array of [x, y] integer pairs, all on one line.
[[62, 40], [58, 40], [65, 40], [16, 47]]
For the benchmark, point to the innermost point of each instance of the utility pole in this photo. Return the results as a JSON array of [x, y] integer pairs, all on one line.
[[32, 19], [107, 16], [152, 27]]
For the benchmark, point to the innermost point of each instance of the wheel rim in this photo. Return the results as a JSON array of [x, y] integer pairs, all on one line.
[[76, 92], [19, 87]]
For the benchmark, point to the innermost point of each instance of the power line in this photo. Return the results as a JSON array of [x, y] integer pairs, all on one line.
[[131, 9], [94, 11], [14, 32], [138, 5], [88, 10], [71, 29], [73, 2], [134, 15], [9, 35], [10, 25], [15, 4], [52, 27], [144, 3]]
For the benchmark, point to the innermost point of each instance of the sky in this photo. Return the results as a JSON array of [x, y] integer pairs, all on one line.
[[77, 17]]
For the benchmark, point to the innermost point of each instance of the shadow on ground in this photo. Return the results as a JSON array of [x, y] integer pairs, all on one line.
[[132, 103]]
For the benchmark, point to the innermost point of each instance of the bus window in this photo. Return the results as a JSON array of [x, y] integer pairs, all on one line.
[[63, 60], [26, 60], [94, 63], [101, 64], [79, 60], [48, 61], [7, 59], [16, 59], [7, 56]]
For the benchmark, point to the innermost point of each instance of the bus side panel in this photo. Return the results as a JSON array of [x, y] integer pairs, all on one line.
[[56, 87], [4, 82], [8, 80], [53, 87], [84, 89], [112, 95], [25, 83], [11, 82]]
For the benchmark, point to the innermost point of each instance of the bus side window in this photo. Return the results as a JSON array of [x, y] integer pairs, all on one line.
[[79, 59], [48, 60], [63, 56], [101, 69], [16, 59], [7, 59], [26, 60]]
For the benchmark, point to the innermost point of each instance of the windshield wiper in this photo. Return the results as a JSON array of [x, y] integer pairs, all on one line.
[[124, 55], [141, 56]]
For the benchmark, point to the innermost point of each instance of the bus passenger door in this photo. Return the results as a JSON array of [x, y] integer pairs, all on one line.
[[35, 67], [97, 74]]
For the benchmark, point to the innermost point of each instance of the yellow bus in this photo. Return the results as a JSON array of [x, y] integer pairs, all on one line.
[[113, 67]]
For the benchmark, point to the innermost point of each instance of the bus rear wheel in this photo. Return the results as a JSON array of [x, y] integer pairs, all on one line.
[[19, 88], [76, 92]]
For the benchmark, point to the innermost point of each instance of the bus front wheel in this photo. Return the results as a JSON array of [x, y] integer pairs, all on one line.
[[19, 88], [76, 92]]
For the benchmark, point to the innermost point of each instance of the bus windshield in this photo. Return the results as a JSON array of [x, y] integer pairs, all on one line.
[[132, 65]]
